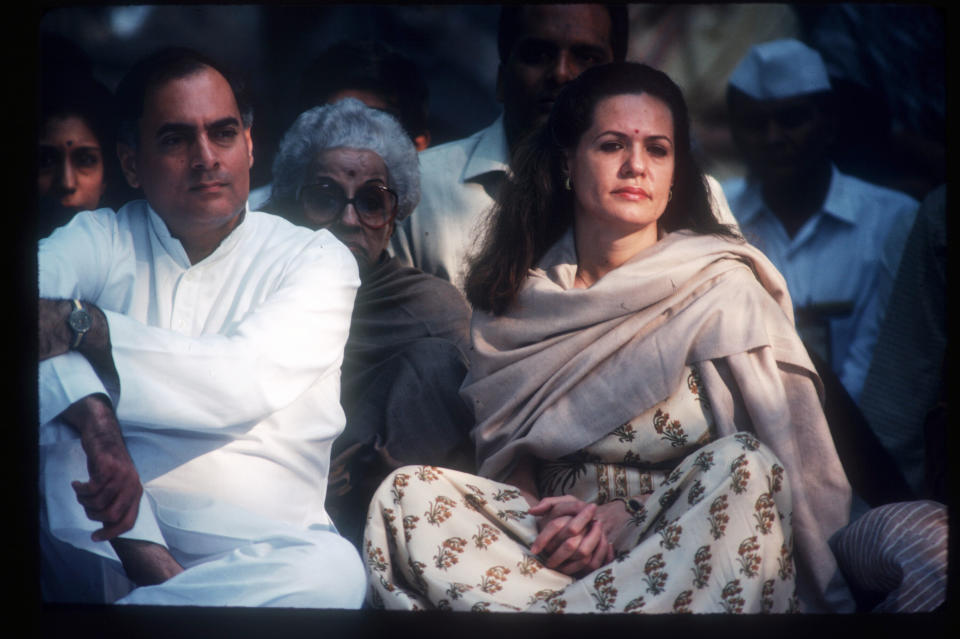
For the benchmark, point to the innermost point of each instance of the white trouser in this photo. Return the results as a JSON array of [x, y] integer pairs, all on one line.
[[318, 570], [231, 557], [325, 574]]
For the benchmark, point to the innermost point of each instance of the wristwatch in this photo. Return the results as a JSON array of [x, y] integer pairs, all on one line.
[[79, 322]]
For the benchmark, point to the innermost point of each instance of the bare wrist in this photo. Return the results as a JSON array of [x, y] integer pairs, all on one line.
[[631, 505], [91, 416], [629, 510]]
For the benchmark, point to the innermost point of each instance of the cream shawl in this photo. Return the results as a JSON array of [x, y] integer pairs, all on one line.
[[565, 366]]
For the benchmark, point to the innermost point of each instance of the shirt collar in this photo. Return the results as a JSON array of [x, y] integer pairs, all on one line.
[[839, 199], [175, 249], [750, 202], [490, 154]]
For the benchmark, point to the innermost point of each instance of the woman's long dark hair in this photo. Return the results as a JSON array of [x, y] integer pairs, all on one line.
[[533, 210]]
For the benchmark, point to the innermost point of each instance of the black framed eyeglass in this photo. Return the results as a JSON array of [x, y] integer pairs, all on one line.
[[325, 202]]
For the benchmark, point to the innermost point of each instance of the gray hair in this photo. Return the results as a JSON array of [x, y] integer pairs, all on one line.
[[347, 123]]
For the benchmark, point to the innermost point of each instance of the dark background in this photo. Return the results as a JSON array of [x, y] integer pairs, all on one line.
[[270, 45], [887, 60]]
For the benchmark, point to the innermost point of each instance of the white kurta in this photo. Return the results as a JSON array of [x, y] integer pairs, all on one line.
[[229, 380]]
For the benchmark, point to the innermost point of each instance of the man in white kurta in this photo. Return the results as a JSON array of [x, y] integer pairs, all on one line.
[[224, 378]]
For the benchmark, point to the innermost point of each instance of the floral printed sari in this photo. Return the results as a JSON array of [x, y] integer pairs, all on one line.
[[712, 532]]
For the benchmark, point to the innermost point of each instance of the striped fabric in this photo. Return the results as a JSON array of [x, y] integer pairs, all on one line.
[[900, 550]]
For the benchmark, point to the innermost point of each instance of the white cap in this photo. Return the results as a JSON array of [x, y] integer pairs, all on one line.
[[780, 69]]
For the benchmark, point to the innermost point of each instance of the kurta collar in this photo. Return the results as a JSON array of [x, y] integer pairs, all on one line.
[[175, 249], [490, 154]]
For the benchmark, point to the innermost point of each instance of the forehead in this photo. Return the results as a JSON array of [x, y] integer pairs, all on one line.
[[73, 129], [633, 114], [196, 98], [362, 164], [566, 24]]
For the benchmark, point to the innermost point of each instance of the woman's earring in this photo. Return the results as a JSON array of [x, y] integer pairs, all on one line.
[[566, 183], [670, 194]]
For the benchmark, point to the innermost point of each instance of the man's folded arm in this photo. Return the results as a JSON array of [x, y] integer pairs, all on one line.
[[68, 266], [251, 370], [245, 372], [112, 493]]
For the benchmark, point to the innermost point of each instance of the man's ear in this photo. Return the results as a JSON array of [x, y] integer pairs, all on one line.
[[249, 138], [499, 93], [128, 164], [422, 141]]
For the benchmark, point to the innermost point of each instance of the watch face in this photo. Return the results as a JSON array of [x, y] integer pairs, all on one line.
[[79, 320]]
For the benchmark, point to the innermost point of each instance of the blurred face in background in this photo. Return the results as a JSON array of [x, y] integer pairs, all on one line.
[[781, 139], [71, 167], [556, 44]]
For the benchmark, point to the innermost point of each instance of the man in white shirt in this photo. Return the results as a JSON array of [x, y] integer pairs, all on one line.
[[541, 48], [190, 358], [836, 239]]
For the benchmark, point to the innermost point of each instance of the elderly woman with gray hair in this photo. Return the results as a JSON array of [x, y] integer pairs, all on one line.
[[352, 169]]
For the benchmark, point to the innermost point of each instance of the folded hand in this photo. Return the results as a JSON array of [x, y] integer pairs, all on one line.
[[112, 493], [571, 539]]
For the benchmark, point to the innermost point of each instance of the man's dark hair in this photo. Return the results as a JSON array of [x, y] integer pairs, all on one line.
[[368, 66], [162, 66], [511, 16]]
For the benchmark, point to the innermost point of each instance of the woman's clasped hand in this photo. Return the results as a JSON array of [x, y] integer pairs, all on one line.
[[575, 535]]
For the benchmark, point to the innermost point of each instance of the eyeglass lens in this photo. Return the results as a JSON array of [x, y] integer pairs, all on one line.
[[326, 201]]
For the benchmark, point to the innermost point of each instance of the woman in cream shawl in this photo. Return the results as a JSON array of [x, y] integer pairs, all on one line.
[[649, 428]]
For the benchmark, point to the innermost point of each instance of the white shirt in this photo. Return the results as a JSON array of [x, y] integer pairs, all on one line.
[[846, 253], [229, 373], [458, 183]]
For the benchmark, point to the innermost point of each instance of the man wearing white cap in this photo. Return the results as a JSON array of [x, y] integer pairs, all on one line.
[[836, 239]]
